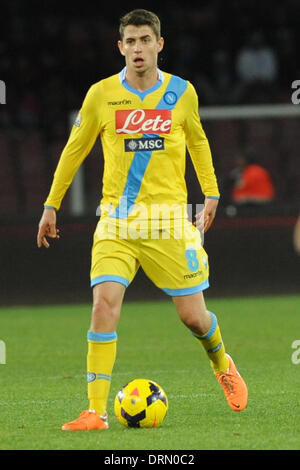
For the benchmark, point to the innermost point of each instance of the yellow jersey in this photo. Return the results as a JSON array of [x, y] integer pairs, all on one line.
[[144, 137]]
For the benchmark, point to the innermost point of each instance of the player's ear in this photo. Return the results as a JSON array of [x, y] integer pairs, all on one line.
[[161, 44], [120, 46]]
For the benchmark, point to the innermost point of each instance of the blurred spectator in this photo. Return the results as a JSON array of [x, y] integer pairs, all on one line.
[[252, 184], [257, 61], [257, 69]]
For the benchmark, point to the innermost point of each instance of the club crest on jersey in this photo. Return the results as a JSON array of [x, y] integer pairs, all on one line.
[[170, 97], [147, 143], [143, 121]]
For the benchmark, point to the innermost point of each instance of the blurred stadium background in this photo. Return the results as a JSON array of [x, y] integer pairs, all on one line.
[[50, 53]]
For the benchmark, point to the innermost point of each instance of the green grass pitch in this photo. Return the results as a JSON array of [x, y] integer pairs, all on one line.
[[43, 383]]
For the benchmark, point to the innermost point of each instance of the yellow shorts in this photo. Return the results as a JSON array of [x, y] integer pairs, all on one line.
[[172, 258]]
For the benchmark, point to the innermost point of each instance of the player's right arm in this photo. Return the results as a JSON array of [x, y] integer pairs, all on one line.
[[47, 227], [82, 139]]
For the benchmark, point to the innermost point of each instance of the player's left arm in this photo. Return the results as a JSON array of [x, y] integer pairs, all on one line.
[[205, 218], [199, 150]]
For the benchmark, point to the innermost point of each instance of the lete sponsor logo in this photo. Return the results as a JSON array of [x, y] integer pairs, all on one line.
[[143, 121]]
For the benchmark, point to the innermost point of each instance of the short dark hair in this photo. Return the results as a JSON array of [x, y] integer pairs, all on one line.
[[140, 17]]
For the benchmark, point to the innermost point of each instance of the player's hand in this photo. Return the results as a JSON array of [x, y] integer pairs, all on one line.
[[47, 228], [205, 218]]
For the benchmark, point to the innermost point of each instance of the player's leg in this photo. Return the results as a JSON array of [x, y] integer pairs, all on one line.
[[179, 266], [107, 303], [204, 326], [114, 265], [102, 342], [102, 349]]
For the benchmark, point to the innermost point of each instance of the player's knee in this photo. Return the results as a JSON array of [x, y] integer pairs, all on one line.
[[192, 322], [196, 322], [103, 307]]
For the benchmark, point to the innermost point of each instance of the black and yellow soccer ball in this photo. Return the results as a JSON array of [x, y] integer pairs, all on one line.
[[141, 403]]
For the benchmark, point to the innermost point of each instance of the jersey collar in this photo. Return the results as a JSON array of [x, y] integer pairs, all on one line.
[[141, 94]]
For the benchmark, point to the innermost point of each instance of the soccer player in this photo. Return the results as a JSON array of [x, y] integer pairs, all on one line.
[[145, 118]]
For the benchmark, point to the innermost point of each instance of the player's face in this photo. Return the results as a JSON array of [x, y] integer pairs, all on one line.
[[140, 48]]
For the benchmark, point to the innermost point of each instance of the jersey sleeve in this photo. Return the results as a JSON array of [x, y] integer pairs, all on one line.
[[85, 130], [198, 146]]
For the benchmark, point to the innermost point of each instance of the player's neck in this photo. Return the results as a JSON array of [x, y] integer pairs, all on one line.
[[143, 81]]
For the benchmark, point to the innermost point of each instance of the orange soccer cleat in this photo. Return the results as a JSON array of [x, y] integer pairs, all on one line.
[[87, 421], [234, 387]]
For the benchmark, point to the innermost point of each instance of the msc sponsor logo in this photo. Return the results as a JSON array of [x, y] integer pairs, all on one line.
[[146, 143]]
